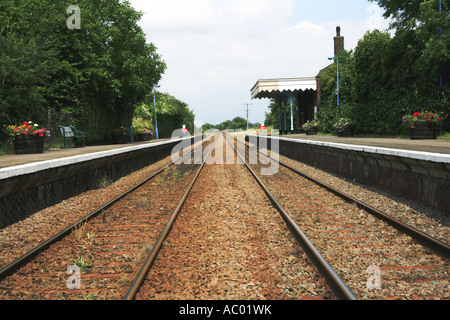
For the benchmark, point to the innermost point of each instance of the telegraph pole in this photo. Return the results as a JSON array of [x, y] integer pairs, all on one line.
[[247, 104]]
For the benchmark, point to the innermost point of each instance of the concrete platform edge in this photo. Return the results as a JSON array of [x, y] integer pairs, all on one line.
[[417, 155], [24, 169]]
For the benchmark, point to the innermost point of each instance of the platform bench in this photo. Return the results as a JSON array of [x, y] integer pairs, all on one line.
[[79, 137]]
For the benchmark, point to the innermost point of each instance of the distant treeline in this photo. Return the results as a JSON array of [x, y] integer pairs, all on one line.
[[235, 124]]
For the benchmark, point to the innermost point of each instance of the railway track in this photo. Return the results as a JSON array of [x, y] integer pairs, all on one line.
[[107, 246], [118, 244], [377, 256], [230, 242], [196, 232]]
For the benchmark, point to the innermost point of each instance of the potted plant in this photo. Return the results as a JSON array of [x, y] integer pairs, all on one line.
[[345, 127], [311, 128], [29, 138], [424, 125], [121, 135], [144, 134]]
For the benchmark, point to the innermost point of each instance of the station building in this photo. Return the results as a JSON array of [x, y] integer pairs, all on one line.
[[299, 97]]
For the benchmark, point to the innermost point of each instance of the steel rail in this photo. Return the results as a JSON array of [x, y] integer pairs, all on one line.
[[440, 248], [336, 284], [15, 265], [139, 279]]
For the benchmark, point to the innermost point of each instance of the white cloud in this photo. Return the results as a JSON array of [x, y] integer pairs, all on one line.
[[217, 50]]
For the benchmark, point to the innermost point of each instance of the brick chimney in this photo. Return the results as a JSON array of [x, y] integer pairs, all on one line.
[[338, 42]]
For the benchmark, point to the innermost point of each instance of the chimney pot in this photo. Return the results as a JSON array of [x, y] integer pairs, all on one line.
[[338, 42]]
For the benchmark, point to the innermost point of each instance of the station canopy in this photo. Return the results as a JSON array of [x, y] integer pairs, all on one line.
[[274, 88]]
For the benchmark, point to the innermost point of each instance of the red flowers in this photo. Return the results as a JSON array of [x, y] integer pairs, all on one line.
[[427, 117], [29, 129], [121, 131]]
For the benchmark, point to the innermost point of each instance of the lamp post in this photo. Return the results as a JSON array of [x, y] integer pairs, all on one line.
[[291, 100], [440, 34], [156, 116], [440, 13], [337, 91], [130, 123]]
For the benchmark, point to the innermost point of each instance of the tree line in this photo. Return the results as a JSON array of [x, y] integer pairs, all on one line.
[[389, 76], [238, 123], [93, 77]]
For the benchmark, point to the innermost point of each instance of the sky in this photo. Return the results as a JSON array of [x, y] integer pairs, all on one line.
[[216, 50]]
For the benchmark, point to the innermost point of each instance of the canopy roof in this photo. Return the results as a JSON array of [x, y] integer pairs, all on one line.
[[273, 88]]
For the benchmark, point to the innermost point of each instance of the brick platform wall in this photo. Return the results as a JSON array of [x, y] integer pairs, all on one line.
[[414, 179], [27, 194]]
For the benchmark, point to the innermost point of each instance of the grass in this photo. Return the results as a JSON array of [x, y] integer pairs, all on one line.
[[445, 136], [82, 264]]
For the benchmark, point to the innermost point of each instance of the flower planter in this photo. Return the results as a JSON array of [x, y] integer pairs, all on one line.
[[312, 132], [424, 131], [28, 144], [121, 139], [348, 131], [144, 137]]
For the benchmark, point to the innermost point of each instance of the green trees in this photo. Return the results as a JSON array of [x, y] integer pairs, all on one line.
[[387, 77], [96, 74], [172, 114], [238, 123], [272, 117], [25, 67], [329, 113]]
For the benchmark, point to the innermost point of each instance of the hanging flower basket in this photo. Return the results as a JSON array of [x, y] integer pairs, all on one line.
[[345, 128], [144, 134], [424, 131], [121, 139], [28, 138], [312, 132], [311, 128], [29, 144], [348, 131], [144, 137], [121, 136], [424, 125]]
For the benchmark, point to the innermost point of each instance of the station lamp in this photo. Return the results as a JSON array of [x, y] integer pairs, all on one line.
[[156, 116], [337, 90]]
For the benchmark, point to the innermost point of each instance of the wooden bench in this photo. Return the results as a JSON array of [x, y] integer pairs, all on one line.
[[79, 138]]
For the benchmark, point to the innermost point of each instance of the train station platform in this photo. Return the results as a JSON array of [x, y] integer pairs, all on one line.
[[427, 146], [30, 183], [417, 170], [54, 154]]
